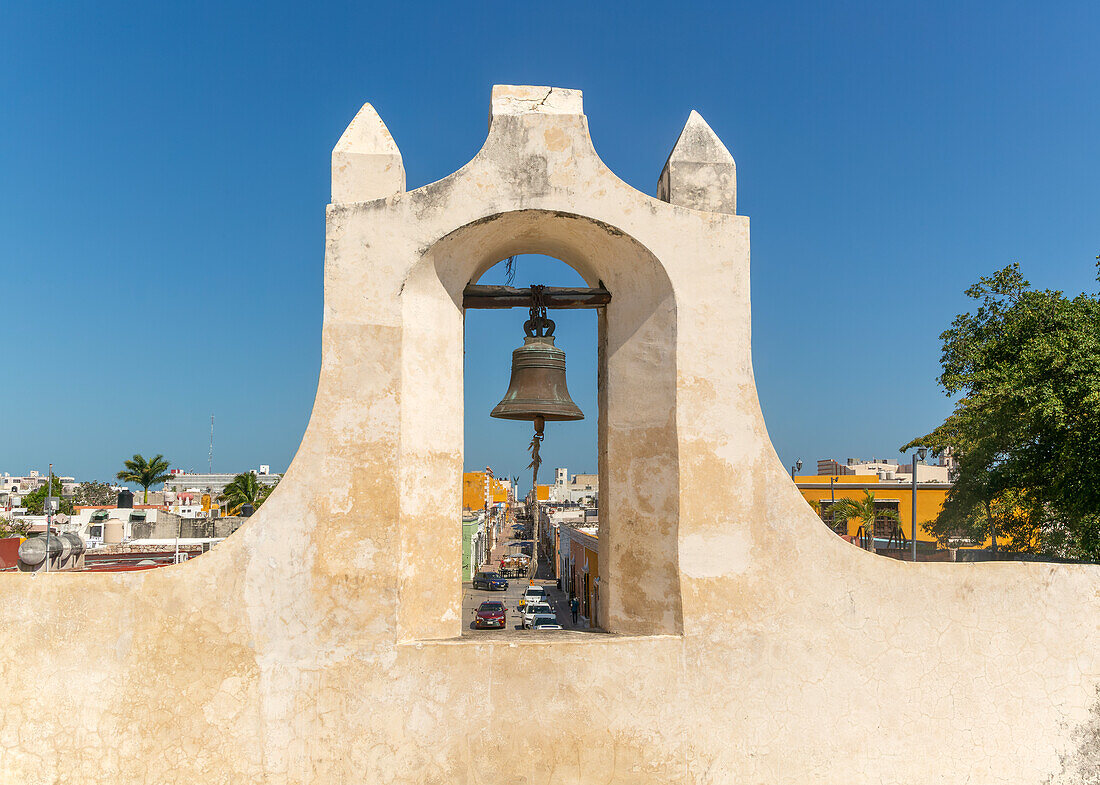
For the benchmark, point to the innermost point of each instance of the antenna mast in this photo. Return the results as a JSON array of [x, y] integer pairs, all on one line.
[[210, 462]]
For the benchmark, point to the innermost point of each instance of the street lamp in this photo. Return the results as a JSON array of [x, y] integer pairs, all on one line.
[[832, 503], [796, 468], [48, 508], [918, 456]]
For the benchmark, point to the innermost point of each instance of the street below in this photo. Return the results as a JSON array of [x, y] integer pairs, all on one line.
[[559, 603]]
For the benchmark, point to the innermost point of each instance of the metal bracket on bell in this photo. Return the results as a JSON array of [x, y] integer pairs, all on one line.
[[539, 325]]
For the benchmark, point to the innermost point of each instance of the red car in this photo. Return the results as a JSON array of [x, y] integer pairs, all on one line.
[[491, 615]]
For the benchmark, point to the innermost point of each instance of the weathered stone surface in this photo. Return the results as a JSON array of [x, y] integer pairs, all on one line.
[[522, 99], [700, 172], [320, 643]]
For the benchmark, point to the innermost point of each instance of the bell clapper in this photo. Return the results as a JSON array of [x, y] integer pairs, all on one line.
[[536, 461]]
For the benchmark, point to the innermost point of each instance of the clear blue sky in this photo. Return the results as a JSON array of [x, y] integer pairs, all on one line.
[[164, 172]]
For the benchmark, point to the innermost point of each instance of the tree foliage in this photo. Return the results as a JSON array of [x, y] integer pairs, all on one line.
[[1026, 427], [244, 488], [145, 473], [94, 494], [35, 501]]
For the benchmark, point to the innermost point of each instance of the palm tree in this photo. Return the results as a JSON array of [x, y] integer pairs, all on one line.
[[864, 511], [244, 489], [144, 473]]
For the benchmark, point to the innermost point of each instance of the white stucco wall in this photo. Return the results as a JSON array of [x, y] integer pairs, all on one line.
[[320, 643]]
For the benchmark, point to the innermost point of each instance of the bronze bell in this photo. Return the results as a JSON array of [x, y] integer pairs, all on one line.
[[537, 387]]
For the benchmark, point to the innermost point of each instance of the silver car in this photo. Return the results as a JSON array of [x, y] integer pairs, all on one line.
[[533, 609]]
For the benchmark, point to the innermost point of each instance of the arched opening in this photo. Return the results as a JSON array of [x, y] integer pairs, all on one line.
[[637, 449], [529, 543]]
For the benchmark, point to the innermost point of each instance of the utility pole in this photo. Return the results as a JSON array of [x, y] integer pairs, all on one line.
[[48, 505], [918, 456], [210, 460], [832, 503], [488, 517]]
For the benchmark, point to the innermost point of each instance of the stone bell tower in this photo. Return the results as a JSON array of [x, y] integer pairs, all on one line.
[[746, 642]]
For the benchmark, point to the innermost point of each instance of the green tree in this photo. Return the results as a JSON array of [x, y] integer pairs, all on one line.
[[1025, 366], [863, 510], [145, 473], [94, 494], [14, 527], [35, 501], [245, 488]]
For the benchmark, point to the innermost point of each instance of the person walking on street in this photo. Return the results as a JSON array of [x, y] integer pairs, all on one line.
[[574, 606]]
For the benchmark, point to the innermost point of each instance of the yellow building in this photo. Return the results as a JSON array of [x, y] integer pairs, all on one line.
[[473, 490], [890, 495]]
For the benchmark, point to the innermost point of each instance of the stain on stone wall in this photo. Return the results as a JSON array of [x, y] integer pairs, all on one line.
[[1081, 765]]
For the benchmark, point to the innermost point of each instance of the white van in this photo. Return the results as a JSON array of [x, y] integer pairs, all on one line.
[[532, 594]]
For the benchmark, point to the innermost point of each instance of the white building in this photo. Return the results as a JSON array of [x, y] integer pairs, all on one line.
[[214, 484], [888, 470], [13, 489], [88, 522], [582, 489]]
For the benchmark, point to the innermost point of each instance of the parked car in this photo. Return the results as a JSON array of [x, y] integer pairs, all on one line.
[[542, 622], [489, 581], [491, 615], [534, 609], [532, 594]]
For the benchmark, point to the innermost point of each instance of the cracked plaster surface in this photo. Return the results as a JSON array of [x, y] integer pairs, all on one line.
[[320, 643]]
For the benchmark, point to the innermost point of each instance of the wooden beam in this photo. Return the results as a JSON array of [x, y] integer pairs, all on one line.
[[555, 297]]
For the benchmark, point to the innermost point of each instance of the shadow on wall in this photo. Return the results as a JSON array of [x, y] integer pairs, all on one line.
[[168, 526]]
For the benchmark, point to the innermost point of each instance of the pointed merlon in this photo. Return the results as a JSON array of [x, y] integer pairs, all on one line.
[[700, 172], [366, 163]]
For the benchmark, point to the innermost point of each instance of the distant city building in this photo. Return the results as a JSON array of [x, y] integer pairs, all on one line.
[[892, 485], [890, 495], [95, 523], [13, 489], [888, 469], [214, 484], [474, 490], [573, 540], [583, 489]]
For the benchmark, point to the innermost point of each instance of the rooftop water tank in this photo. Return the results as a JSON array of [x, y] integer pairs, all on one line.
[[126, 499], [53, 543], [112, 532], [76, 544], [32, 551]]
